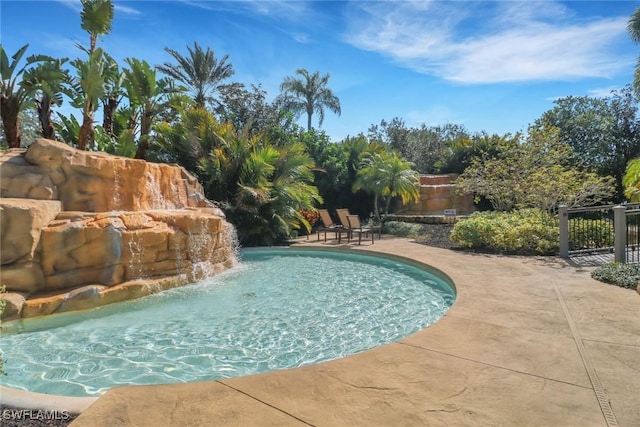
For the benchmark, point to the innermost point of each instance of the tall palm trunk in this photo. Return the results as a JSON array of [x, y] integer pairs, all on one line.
[[145, 130], [376, 209], [387, 206], [44, 115], [9, 113], [93, 38], [87, 133], [11, 128], [108, 112], [309, 115], [143, 146]]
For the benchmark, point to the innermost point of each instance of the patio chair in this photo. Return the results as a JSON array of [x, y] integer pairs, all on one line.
[[344, 221], [328, 225], [356, 227], [342, 217]]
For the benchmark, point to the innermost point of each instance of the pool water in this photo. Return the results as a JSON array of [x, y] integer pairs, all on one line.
[[278, 309]]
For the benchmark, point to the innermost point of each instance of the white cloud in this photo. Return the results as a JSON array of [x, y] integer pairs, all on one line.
[[603, 92], [126, 9], [600, 92], [301, 38], [285, 9], [480, 42], [275, 12], [73, 4]]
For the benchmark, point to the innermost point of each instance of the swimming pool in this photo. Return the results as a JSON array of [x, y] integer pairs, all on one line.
[[280, 308]]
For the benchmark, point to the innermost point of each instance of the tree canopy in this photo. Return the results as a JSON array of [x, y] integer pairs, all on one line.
[[603, 132], [309, 94], [535, 172], [633, 27], [632, 180], [201, 72]]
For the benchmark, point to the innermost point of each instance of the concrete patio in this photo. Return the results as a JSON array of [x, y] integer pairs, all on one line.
[[530, 341]]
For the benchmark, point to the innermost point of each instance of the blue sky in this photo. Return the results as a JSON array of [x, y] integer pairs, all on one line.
[[488, 65]]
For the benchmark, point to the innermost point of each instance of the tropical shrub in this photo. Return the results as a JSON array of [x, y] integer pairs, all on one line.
[[624, 275], [261, 187], [525, 231]]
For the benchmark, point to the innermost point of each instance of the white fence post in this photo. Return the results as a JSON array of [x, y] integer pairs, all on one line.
[[620, 234], [563, 218]]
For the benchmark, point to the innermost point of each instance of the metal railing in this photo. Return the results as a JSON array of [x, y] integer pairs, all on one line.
[[633, 236], [601, 229]]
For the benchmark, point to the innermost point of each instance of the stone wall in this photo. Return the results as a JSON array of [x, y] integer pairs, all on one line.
[[437, 193], [81, 229]]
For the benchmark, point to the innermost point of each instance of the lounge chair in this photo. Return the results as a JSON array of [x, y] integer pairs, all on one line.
[[356, 227], [344, 221], [328, 225], [342, 216]]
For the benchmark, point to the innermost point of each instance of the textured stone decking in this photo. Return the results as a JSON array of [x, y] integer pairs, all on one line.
[[528, 342]]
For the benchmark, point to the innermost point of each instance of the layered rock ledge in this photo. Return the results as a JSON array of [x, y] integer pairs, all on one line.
[[84, 229]]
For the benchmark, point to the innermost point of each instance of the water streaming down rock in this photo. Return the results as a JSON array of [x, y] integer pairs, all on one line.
[[102, 229], [116, 190]]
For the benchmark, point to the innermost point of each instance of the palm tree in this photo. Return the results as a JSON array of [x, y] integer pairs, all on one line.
[[310, 95], [387, 175], [634, 31], [50, 79], [13, 95], [96, 17], [293, 188], [114, 80], [88, 88], [200, 72], [146, 94]]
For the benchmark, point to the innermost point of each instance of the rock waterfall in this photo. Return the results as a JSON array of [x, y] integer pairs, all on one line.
[[82, 229]]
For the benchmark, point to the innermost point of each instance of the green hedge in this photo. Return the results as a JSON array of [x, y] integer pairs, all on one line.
[[526, 231], [624, 275]]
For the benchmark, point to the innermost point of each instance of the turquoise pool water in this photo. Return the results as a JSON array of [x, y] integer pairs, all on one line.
[[278, 309]]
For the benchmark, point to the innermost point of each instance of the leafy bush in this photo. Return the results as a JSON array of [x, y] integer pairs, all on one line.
[[402, 229], [524, 231], [590, 233], [624, 275]]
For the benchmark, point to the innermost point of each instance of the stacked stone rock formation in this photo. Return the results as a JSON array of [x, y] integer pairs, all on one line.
[[83, 229]]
